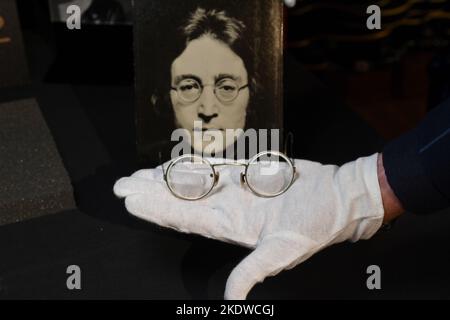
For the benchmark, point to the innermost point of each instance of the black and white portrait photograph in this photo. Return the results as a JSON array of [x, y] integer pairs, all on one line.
[[206, 67]]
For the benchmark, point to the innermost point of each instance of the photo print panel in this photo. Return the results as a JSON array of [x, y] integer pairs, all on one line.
[[208, 76], [13, 64]]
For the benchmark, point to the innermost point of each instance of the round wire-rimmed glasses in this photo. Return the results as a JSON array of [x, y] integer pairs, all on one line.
[[190, 90], [268, 174]]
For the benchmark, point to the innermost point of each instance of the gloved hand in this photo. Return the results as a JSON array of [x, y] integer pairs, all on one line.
[[325, 205]]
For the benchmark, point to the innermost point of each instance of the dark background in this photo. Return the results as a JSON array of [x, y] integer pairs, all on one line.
[[15, 71], [119, 12], [83, 82]]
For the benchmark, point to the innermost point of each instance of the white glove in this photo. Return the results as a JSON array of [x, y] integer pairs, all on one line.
[[325, 205]]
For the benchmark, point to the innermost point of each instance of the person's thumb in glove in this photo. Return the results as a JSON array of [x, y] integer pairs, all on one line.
[[274, 254]]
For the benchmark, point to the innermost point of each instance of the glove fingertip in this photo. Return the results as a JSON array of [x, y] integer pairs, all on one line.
[[133, 205], [119, 190]]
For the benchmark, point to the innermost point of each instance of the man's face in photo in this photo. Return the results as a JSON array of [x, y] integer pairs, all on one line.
[[211, 82]]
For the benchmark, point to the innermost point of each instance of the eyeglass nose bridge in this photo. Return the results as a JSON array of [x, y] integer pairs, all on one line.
[[202, 91], [201, 94]]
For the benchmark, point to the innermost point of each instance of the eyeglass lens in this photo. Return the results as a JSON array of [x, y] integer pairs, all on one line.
[[270, 174], [190, 178]]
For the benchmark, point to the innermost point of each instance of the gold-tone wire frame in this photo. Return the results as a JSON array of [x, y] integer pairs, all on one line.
[[235, 163]]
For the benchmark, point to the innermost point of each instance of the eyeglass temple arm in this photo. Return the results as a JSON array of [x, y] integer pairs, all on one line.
[[162, 165], [289, 141]]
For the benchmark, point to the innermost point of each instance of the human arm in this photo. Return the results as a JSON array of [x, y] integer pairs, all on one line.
[[391, 204], [417, 164]]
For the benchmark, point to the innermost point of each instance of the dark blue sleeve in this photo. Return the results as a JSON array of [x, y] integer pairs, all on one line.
[[417, 164]]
